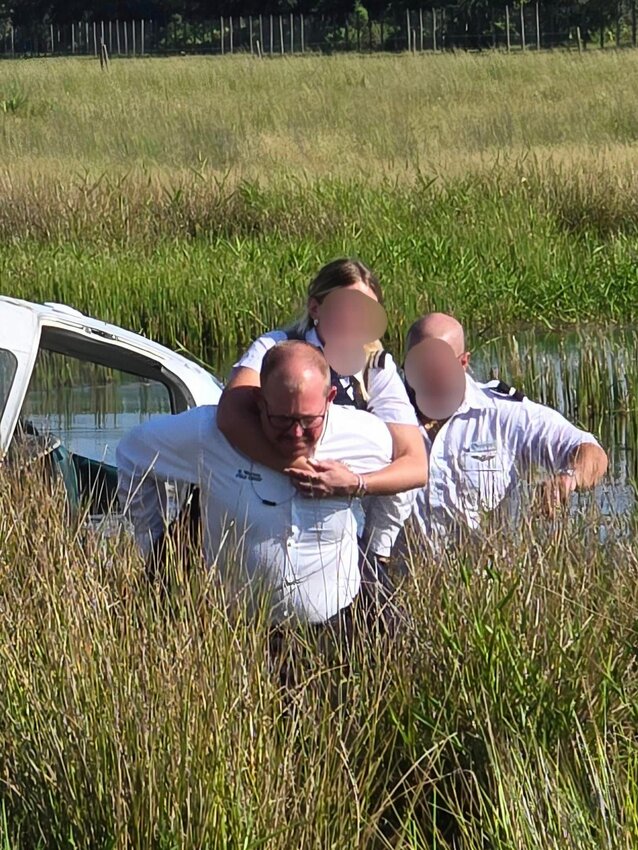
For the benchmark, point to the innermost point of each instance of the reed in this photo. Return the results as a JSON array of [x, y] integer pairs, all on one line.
[[504, 717]]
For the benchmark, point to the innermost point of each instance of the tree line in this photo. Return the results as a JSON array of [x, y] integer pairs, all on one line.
[[468, 22]]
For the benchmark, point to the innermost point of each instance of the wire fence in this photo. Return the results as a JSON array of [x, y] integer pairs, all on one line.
[[513, 27]]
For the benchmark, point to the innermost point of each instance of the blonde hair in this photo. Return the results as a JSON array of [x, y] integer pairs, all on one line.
[[337, 275]]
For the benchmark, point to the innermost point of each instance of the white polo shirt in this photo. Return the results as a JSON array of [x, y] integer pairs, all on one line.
[[387, 396], [388, 399], [483, 451], [259, 531]]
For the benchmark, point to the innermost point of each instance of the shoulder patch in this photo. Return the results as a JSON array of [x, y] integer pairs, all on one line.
[[378, 359], [503, 389]]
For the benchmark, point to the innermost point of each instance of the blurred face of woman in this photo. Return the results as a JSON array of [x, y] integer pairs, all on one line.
[[347, 319]]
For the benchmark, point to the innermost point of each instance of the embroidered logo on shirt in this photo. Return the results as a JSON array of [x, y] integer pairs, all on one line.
[[247, 475], [482, 451]]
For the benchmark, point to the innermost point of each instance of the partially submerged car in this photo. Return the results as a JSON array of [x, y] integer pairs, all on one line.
[[72, 386]]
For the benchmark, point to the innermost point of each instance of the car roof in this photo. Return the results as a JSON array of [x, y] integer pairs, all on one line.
[[200, 382]]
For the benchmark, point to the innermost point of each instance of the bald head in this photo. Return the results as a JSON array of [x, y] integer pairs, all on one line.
[[294, 398], [437, 326], [292, 365]]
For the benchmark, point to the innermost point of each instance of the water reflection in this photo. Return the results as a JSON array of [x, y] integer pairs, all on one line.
[[91, 419]]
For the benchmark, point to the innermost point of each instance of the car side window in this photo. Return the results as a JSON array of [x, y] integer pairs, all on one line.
[[87, 406], [8, 366]]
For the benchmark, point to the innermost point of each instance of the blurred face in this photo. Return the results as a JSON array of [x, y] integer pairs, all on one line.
[[293, 421], [348, 319], [437, 377]]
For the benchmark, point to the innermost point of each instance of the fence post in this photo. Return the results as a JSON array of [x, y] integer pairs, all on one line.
[[617, 27], [250, 33], [51, 36], [408, 28], [538, 28], [303, 45], [230, 33], [272, 39], [101, 33], [125, 38], [281, 35], [434, 29], [133, 36], [221, 32], [507, 28], [72, 38], [110, 37], [142, 37], [13, 41], [522, 25], [104, 57], [94, 38], [421, 30], [117, 37], [292, 33]]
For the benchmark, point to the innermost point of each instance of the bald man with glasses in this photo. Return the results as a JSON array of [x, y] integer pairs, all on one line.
[[299, 555]]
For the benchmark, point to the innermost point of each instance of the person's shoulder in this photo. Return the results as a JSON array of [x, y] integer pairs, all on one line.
[[272, 337], [498, 391], [381, 360], [357, 424]]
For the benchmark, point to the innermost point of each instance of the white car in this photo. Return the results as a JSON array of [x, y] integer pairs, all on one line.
[[71, 386]]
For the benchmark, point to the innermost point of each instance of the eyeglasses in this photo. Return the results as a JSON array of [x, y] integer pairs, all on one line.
[[306, 423]]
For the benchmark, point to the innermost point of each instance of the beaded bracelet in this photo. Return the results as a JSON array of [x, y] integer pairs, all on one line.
[[362, 487]]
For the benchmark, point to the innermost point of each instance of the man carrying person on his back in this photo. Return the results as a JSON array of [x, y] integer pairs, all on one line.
[[265, 537], [483, 438]]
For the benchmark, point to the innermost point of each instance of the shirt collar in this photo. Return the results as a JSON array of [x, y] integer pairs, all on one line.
[[474, 399], [313, 338]]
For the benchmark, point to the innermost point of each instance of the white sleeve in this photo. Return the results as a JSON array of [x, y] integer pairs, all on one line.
[[385, 517], [388, 396], [253, 358], [363, 442], [545, 438], [167, 450], [357, 438]]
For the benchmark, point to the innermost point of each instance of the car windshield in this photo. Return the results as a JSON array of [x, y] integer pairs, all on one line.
[[8, 366]]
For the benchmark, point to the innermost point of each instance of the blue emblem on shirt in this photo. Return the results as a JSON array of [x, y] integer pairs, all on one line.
[[247, 475]]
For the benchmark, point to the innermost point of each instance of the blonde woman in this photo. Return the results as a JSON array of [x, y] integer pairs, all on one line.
[[376, 387]]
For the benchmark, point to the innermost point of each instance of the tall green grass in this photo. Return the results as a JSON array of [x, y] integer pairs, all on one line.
[[194, 199], [211, 273], [505, 717]]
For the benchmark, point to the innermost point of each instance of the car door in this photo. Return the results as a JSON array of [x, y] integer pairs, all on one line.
[[88, 385], [19, 337]]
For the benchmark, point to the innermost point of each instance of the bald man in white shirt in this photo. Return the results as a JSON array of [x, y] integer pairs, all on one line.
[[299, 554], [483, 439]]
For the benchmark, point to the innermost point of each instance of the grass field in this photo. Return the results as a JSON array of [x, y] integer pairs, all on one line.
[[193, 199]]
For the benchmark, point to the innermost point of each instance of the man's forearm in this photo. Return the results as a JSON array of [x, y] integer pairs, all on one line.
[[589, 463]]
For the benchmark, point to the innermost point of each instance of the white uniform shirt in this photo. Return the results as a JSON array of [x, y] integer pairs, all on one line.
[[387, 399], [387, 396], [481, 453], [302, 552]]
